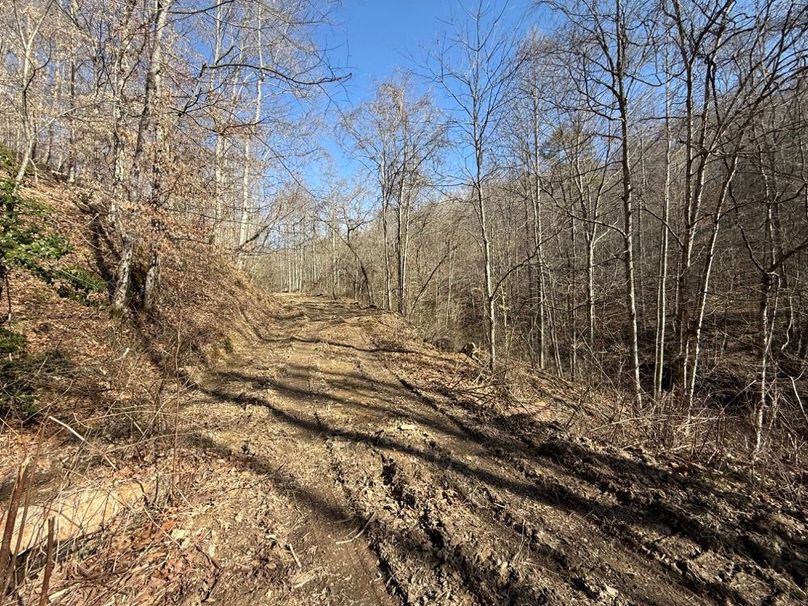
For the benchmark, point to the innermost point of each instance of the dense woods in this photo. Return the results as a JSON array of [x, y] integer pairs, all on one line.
[[618, 195]]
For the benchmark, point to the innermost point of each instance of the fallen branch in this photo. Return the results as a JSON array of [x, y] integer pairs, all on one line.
[[80, 437], [294, 555]]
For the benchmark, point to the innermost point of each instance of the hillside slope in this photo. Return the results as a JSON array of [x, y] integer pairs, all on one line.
[[333, 458]]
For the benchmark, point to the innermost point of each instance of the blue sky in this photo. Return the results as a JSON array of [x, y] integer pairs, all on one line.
[[371, 38], [377, 36]]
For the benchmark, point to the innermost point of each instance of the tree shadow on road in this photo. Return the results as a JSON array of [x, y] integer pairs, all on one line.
[[555, 467], [481, 577]]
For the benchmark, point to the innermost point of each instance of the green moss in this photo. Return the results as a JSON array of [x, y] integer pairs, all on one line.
[[82, 279], [6, 159], [11, 342], [22, 241], [26, 244], [77, 283]]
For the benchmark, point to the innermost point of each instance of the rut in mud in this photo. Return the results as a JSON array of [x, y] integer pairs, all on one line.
[[358, 473]]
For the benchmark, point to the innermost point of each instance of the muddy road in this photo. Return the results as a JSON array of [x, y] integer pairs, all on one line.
[[351, 466]]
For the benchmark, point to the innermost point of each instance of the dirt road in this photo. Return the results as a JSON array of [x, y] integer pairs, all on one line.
[[359, 469]]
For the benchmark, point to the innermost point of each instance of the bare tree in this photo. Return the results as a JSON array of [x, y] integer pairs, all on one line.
[[477, 69], [398, 138]]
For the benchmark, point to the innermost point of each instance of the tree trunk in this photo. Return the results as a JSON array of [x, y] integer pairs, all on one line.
[[123, 273], [628, 210], [490, 302], [662, 295], [247, 206], [153, 94]]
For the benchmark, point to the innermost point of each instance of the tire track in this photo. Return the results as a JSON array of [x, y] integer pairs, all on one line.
[[619, 531]]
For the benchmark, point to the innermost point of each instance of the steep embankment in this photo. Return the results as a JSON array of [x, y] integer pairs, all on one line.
[[335, 459], [89, 399]]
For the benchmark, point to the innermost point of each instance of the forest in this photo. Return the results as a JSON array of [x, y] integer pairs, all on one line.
[[523, 321], [618, 195], [620, 201]]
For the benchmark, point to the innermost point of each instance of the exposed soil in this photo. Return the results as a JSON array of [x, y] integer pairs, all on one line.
[[342, 461], [334, 458]]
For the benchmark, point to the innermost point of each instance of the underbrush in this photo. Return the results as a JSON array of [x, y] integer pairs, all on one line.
[[65, 351], [716, 432], [712, 433]]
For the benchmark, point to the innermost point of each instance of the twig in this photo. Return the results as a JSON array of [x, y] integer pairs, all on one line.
[[6, 558], [80, 437], [294, 555], [797, 394], [43, 596], [360, 533]]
